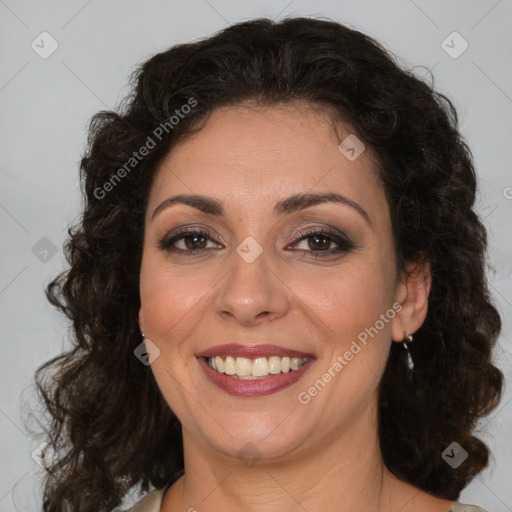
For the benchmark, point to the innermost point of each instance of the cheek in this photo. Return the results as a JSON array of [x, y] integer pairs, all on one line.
[[347, 304], [347, 300], [172, 300]]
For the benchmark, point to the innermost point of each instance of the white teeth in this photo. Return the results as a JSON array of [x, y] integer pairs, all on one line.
[[245, 368], [274, 365], [260, 367], [229, 366], [219, 363]]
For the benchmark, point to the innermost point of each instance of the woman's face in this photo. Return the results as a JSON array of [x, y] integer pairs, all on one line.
[[273, 276]]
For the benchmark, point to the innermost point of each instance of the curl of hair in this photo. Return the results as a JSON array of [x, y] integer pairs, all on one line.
[[109, 422]]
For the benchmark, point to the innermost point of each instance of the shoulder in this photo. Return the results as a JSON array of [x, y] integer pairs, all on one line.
[[461, 507], [149, 503]]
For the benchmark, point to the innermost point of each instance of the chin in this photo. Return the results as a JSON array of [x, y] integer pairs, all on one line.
[[257, 437]]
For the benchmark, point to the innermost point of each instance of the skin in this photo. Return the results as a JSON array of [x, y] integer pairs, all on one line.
[[325, 455]]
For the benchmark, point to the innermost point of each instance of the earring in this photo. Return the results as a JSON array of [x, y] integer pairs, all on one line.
[[410, 362]]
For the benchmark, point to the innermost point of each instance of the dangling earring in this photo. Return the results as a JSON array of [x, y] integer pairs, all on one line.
[[410, 362]]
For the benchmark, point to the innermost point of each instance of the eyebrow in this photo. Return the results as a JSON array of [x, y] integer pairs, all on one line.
[[296, 202]]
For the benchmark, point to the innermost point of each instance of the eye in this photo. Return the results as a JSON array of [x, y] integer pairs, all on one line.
[[187, 241], [315, 242], [319, 242]]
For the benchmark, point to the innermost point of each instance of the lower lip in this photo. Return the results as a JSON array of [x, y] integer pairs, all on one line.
[[254, 387]]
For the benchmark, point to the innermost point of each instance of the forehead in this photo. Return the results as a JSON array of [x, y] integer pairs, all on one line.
[[254, 155]]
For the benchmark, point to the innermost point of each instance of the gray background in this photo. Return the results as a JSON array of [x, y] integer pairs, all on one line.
[[47, 102]]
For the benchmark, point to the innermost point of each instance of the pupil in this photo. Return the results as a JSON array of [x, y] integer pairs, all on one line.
[[191, 241], [316, 238]]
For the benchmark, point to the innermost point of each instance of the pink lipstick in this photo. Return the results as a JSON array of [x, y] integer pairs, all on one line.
[[253, 370]]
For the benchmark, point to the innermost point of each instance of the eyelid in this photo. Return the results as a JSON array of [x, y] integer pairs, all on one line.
[[337, 237], [194, 230], [325, 229]]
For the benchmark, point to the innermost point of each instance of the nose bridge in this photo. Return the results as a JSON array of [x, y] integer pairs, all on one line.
[[251, 290]]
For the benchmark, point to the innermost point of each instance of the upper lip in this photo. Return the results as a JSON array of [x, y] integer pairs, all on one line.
[[251, 351]]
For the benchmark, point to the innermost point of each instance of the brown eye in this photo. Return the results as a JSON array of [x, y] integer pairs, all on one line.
[[195, 242], [318, 243], [188, 242]]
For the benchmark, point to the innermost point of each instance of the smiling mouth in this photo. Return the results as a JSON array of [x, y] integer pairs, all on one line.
[[257, 368]]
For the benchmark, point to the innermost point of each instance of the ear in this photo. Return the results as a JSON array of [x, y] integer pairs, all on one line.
[[141, 320], [412, 293]]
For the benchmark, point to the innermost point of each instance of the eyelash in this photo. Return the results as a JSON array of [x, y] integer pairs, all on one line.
[[343, 243]]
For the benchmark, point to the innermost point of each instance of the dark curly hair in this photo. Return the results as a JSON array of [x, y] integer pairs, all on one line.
[[110, 424]]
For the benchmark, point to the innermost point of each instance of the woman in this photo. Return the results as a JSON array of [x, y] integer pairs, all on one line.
[[277, 287]]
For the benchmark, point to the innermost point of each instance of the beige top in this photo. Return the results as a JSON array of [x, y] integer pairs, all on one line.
[[153, 500]]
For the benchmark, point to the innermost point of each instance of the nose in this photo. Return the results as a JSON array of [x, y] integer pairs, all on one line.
[[252, 293]]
